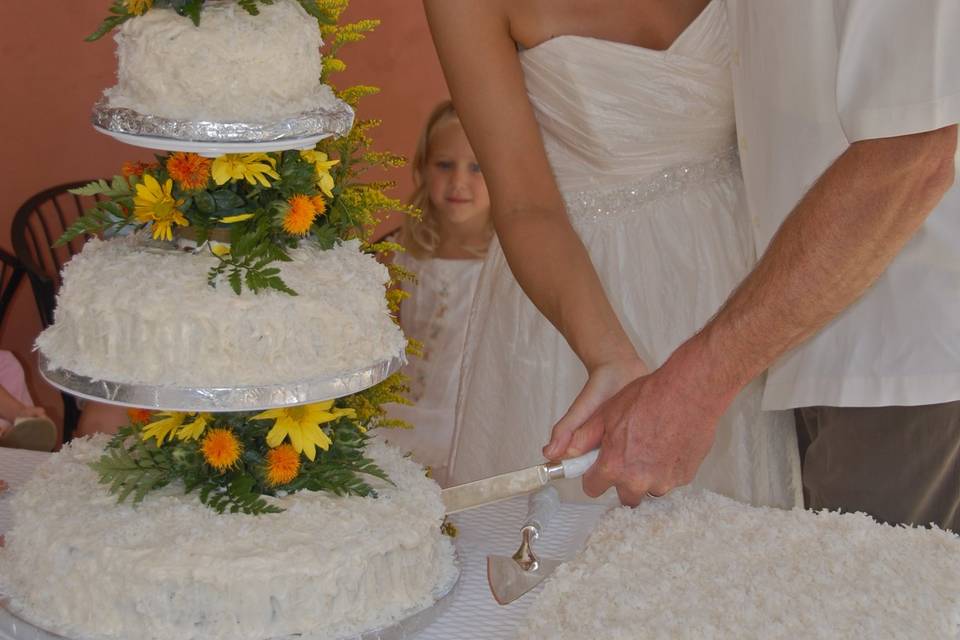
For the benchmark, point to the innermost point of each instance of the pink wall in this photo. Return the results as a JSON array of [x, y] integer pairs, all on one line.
[[51, 78]]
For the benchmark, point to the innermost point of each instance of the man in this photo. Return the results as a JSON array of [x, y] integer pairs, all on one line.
[[847, 114]]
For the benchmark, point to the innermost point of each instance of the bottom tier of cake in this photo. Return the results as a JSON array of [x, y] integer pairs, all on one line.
[[79, 564]]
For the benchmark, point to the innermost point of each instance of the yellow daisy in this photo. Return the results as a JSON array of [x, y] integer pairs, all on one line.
[[156, 204], [221, 449], [319, 160], [219, 249], [283, 465], [302, 425], [252, 167], [165, 427], [196, 428]]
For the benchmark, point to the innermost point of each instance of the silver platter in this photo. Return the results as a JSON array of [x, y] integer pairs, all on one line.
[[13, 627], [333, 120], [218, 399]]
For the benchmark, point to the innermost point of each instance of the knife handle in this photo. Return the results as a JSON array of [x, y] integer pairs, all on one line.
[[576, 467], [543, 504]]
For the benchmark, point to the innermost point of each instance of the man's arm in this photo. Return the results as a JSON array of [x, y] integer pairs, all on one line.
[[829, 250]]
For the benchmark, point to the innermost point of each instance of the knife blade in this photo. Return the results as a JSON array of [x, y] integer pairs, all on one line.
[[507, 485]]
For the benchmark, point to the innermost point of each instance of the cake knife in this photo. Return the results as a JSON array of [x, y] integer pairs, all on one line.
[[507, 485]]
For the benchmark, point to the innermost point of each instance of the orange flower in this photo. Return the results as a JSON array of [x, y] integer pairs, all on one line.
[[299, 217], [319, 204], [136, 168], [139, 416], [189, 169], [283, 465], [221, 449]]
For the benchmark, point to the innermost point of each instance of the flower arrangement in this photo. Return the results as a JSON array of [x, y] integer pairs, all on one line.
[[123, 10], [266, 203], [233, 460], [261, 204]]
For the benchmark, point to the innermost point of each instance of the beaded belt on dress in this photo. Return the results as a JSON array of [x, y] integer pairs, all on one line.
[[598, 204]]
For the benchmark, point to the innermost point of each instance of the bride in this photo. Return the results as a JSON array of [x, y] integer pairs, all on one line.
[[606, 135]]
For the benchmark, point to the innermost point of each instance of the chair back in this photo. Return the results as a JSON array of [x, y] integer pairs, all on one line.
[[37, 225], [11, 273]]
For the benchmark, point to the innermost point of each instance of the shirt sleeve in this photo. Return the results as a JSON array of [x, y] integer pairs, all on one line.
[[898, 66]]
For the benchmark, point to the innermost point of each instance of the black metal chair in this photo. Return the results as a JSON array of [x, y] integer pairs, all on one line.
[[11, 274], [37, 225]]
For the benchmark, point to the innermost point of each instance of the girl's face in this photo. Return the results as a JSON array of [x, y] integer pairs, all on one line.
[[454, 183]]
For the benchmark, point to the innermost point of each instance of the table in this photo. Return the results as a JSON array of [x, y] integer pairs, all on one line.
[[472, 613]]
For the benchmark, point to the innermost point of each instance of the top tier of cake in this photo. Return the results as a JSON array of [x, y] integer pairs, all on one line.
[[233, 67]]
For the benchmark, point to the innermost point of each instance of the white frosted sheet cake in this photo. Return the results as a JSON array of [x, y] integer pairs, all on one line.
[[234, 67], [699, 565], [136, 316], [79, 564]]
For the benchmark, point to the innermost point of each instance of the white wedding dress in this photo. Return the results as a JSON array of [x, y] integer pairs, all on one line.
[[642, 144]]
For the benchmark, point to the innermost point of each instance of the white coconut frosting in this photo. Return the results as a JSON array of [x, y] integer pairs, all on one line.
[[234, 67], [81, 565], [136, 316], [698, 565]]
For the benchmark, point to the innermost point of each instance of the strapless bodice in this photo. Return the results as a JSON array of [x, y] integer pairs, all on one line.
[[615, 114]]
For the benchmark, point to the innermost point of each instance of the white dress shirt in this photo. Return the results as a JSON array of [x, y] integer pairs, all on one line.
[[811, 77]]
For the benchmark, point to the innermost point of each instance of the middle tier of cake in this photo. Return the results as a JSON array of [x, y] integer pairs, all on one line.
[[136, 315]]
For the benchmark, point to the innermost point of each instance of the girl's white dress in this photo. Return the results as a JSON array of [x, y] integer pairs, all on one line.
[[642, 144], [435, 314]]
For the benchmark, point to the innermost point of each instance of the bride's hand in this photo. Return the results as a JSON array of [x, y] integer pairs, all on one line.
[[604, 382]]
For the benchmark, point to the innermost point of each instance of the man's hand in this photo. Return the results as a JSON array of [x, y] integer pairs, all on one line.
[[653, 435]]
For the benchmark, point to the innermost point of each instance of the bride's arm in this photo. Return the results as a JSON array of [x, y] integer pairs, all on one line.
[[480, 62]]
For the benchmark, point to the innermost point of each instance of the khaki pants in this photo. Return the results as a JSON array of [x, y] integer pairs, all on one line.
[[898, 464]]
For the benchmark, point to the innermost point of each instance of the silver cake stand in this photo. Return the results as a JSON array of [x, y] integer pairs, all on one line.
[[13, 627], [219, 399], [209, 138]]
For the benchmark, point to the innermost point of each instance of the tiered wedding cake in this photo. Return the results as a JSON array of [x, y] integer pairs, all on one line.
[[227, 522]]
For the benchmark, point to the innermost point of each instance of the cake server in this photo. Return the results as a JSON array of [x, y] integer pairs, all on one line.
[[512, 576], [507, 485]]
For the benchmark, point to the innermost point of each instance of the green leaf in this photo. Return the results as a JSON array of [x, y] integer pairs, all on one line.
[[96, 220], [94, 188], [119, 185], [191, 9], [250, 6], [325, 236], [108, 25], [205, 202], [234, 279], [227, 199]]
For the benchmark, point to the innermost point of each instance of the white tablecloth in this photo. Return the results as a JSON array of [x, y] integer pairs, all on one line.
[[472, 613]]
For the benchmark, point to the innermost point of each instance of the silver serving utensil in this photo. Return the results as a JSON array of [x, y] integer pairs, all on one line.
[[515, 483], [511, 577]]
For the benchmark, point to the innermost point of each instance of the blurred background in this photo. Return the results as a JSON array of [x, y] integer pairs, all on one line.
[[51, 79]]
